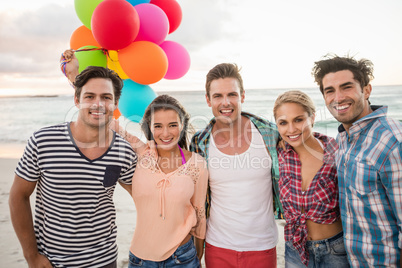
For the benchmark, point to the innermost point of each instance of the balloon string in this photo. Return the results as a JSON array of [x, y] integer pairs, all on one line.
[[65, 61], [104, 50]]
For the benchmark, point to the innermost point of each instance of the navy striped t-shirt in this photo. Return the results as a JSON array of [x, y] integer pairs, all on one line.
[[74, 212]]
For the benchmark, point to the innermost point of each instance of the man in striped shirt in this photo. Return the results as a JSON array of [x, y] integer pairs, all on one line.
[[369, 163], [74, 167]]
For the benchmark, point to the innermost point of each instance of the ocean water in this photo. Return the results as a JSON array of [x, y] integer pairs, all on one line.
[[21, 116]]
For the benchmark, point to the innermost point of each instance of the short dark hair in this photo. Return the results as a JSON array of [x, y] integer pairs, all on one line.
[[362, 69], [224, 70], [98, 72], [166, 102]]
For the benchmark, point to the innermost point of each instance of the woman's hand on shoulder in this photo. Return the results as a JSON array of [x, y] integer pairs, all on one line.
[[135, 142], [281, 144], [151, 146]]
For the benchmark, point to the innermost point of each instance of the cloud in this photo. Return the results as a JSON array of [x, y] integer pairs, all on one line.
[[279, 40], [33, 40], [202, 24]]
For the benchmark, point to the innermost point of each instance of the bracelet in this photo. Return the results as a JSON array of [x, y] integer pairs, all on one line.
[[63, 64]]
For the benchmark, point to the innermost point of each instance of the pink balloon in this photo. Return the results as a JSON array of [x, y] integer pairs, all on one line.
[[115, 24], [178, 59], [154, 24]]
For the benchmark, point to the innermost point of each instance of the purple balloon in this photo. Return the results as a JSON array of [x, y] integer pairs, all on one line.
[[154, 24]]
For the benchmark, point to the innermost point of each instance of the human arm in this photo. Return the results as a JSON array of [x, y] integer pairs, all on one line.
[[126, 175], [126, 187], [21, 218], [71, 64], [198, 202], [390, 175], [199, 246], [135, 142]]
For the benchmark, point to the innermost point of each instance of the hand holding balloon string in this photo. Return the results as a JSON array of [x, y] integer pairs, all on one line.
[[69, 64]]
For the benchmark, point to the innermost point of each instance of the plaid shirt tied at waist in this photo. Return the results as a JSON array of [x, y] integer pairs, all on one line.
[[319, 203]]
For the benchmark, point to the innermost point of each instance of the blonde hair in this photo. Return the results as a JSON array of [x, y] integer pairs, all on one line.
[[298, 97]]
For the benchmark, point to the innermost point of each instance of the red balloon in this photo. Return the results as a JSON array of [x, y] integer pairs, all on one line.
[[115, 24], [172, 10]]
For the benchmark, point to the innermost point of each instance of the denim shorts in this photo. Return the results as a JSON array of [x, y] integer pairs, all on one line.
[[326, 253], [185, 256]]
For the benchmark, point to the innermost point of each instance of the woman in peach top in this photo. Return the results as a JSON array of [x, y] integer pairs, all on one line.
[[169, 189]]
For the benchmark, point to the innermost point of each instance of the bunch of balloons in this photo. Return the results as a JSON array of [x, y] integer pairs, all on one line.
[[128, 36]]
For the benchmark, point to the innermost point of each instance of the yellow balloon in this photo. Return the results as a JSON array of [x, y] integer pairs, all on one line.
[[114, 64]]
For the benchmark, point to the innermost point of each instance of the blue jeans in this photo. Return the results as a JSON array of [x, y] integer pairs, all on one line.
[[325, 253], [185, 256]]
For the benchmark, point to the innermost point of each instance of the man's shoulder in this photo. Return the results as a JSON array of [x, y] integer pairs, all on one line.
[[202, 134], [390, 126], [53, 130], [121, 143], [200, 140], [57, 127], [259, 121]]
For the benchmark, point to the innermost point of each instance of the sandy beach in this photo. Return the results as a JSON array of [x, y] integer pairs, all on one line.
[[11, 253]]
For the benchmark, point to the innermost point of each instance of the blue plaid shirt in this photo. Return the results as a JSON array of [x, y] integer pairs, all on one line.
[[369, 164], [270, 135]]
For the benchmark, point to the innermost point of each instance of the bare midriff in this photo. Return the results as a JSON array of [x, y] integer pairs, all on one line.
[[318, 231]]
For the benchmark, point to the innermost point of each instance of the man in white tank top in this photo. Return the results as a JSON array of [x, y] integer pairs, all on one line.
[[243, 194]]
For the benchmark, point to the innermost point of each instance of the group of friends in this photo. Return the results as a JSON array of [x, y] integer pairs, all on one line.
[[220, 191]]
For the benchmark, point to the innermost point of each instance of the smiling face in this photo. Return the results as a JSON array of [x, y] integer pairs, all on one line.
[[294, 124], [225, 100], [166, 128], [96, 102], [344, 97]]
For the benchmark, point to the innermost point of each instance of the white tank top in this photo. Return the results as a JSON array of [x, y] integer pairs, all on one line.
[[241, 214]]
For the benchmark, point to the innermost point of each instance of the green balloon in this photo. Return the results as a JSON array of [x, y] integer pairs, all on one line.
[[90, 58], [85, 9]]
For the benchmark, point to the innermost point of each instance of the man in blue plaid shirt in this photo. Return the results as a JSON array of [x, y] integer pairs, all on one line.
[[369, 163]]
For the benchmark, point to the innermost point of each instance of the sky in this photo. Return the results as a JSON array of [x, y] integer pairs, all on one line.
[[274, 42]]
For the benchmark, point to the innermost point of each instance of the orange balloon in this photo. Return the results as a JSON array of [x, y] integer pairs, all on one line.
[[114, 64], [144, 62], [116, 114], [82, 36]]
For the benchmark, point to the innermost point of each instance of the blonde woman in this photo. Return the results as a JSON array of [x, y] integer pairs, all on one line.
[[308, 186]]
